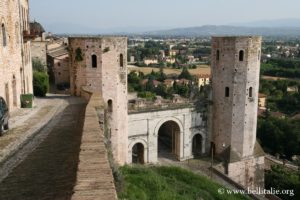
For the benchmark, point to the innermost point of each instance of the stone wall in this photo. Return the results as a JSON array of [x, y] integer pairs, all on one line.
[[100, 63], [15, 59], [39, 51], [94, 176], [61, 69], [248, 172]]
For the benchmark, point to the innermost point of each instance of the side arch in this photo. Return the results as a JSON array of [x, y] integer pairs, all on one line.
[[134, 142], [203, 142]]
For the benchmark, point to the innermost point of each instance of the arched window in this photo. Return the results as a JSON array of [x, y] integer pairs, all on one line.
[[3, 35], [250, 92], [241, 55], [94, 61], [218, 55], [227, 92], [121, 60], [109, 105]]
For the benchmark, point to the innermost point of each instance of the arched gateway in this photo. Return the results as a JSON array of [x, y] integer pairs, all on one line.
[[168, 144]]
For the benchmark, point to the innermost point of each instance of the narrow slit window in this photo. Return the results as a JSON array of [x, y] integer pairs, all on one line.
[[3, 35], [109, 105], [258, 55], [227, 92], [241, 55], [250, 92], [218, 55], [94, 61], [121, 60]]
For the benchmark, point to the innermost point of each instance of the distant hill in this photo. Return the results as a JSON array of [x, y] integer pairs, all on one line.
[[271, 23], [209, 30]]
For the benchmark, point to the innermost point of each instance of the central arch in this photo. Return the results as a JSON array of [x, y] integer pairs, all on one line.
[[168, 144]]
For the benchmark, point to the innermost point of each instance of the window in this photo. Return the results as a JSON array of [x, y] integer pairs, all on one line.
[[94, 61], [121, 60], [227, 92], [250, 92], [241, 55], [58, 64], [218, 55], [3, 35], [109, 105], [259, 55], [17, 33]]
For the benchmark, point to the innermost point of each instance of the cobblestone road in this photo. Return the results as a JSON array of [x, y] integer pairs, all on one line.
[[49, 172]]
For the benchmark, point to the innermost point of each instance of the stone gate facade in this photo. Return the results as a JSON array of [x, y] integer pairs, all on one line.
[[143, 128]]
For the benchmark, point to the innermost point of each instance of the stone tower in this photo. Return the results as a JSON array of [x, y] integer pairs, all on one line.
[[100, 65], [235, 74]]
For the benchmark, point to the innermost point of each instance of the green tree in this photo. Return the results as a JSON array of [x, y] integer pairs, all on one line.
[[37, 65], [282, 179], [40, 83], [185, 74], [150, 84], [161, 75]]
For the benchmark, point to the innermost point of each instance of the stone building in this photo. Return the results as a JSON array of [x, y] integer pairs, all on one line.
[[235, 75], [203, 79], [100, 64], [59, 66], [15, 58]]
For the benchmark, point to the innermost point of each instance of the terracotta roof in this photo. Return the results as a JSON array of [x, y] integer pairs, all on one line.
[[58, 52], [261, 95], [155, 82], [203, 75]]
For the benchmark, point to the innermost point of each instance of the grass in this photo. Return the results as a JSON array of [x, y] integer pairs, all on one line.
[[168, 183], [202, 69]]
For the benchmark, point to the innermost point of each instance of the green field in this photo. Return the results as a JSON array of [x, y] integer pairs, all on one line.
[[169, 183], [202, 69]]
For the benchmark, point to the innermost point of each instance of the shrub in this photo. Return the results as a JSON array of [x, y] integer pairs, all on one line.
[[40, 83], [147, 95]]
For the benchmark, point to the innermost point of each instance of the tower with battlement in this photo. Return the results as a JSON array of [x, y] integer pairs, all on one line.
[[235, 73]]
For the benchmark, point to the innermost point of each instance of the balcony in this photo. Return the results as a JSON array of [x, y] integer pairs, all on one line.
[[27, 36]]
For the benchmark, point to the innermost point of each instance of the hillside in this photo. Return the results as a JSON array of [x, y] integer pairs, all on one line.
[[209, 30], [164, 183]]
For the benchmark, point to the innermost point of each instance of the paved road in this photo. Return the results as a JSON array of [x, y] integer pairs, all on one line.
[[49, 172]]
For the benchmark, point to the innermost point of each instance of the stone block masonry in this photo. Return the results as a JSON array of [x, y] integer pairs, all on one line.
[[94, 175]]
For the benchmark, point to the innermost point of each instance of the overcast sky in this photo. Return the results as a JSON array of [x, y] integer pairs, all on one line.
[[153, 14]]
